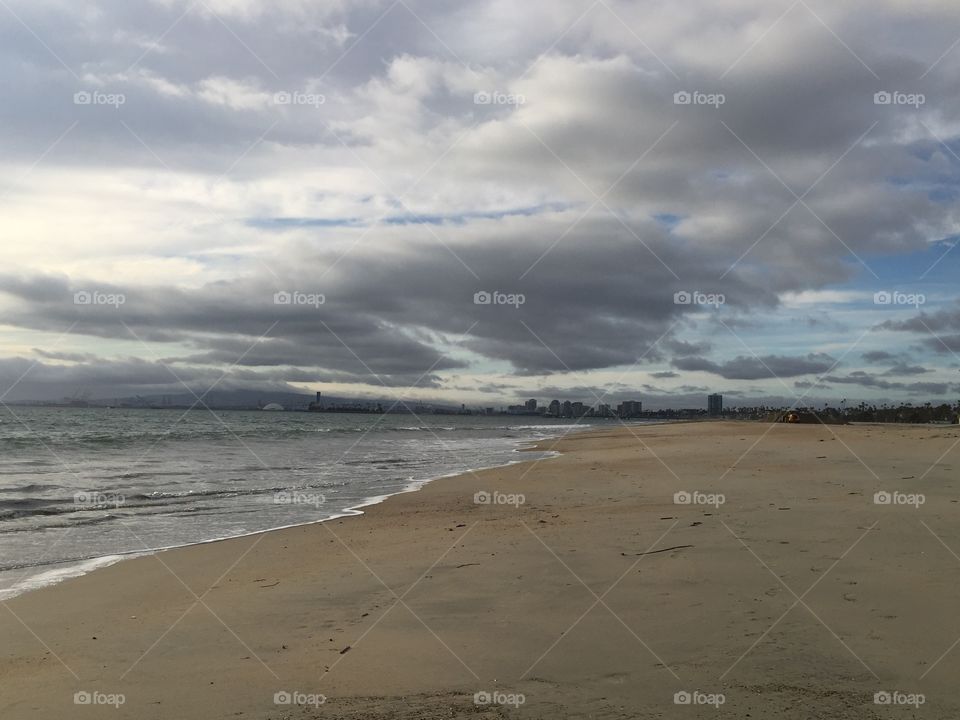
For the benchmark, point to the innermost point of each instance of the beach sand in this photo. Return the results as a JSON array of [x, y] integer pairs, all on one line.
[[598, 597]]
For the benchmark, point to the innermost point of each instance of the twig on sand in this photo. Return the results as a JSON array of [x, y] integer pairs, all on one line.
[[654, 552]]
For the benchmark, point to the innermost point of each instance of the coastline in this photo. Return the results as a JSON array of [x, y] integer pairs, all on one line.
[[58, 573], [423, 600]]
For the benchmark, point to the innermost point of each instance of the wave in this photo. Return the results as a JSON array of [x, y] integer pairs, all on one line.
[[386, 461], [32, 488], [16, 508], [122, 436]]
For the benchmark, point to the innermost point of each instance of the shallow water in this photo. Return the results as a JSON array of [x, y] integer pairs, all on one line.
[[80, 486]]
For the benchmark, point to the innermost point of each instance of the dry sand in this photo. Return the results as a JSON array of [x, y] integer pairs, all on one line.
[[799, 597]]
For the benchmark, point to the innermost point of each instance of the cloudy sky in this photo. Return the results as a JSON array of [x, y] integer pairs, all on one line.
[[481, 201]]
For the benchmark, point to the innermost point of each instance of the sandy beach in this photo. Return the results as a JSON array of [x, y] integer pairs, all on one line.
[[578, 586]]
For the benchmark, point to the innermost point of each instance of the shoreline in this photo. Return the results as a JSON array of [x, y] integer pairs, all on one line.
[[412, 608], [78, 568]]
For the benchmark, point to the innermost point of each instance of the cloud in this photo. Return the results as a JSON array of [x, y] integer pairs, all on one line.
[[451, 154], [754, 368], [902, 368], [873, 381], [926, 323], [936, 330], [874, 356]]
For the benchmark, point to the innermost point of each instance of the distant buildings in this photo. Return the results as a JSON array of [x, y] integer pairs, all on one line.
[[524, 409], [715, 405], [575, 409], [319, 406]]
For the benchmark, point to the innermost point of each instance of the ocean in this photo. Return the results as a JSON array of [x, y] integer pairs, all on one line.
[[85, 487]]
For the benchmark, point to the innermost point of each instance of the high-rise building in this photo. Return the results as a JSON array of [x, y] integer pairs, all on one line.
[[566, 409], [578, 409], [715, 405], [630, 408], [554, 408], [531, 406]]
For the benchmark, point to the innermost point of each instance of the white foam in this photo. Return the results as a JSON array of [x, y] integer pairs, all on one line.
[[59, 574]]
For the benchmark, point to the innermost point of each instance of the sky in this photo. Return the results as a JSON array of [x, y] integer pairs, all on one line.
[[481, 201]]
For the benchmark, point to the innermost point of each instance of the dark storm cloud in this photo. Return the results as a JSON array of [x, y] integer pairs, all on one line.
[[875, 356], [936, 331], [756, 368], [925, 323], [382, 313], [21, 378], [874, 381], [902, 368], [808, 385], [944, 344], [233, 323], [104, 378]]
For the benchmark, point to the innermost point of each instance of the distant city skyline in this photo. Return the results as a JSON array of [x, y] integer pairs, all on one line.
[[252, 398]]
